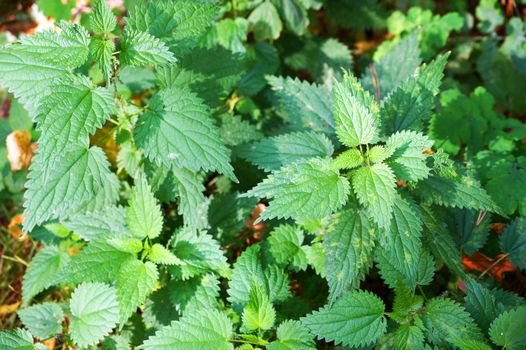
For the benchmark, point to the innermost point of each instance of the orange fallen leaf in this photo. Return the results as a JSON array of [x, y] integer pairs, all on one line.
[[428, 151], [50, 343], [497, 227], [260, 226], [105, 139], [9, 308], [401, 183], [15, 228], [480, 262], [20, 150]]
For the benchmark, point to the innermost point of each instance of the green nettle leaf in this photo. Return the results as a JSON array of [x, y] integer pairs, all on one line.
[[408, 160], [375, 187], [204, 329], [401, 243], [178, 131], [140, 49], [94, 225], [200, 253], [481, 304], [101, 51], [42, 320], [94, 310], [513, 242], [42, 270], [304, 189], [274, 152], [348, 245], [285, 245], [292, 335], [408, 337], [99, 261], [356, 319], [102, 19], [508, 329], [128, 245], [18, 339], [348, 159], [134, 283], [304, 105], [355, 112], [161, 255], [72, 112], [265, 21], [193, 205], [248, 269], [77, 177], [143, 214], [259, 312], [44, 57], [447, 321]]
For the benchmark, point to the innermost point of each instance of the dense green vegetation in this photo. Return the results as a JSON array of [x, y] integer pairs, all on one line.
[[267, 174]]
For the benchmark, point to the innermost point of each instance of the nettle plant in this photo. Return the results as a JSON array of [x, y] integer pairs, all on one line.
[[355, 188]]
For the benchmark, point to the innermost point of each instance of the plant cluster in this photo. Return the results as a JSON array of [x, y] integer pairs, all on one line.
[[228, 175]]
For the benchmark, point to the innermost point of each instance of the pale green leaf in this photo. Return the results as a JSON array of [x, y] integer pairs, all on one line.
[[274, 152], [143, 214], [265, 21], [193, 205], [292, 335], [258, 314], [17, 339], [141, 48], [101, 51], [198, 330], [375, 188], [285, 245], [178, 131], [101, 19], [348, 245], [94, 310], [128, 245], [356, 319], [305, 189], [94, 225], [408, 160], [135, 281], [161, 255], [42, 320], [42, 270]]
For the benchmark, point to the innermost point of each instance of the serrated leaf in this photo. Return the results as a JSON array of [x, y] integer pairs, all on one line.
[[355, 113], [193, 205], [375, 188], [178, 131], [438, 240], [348, 246], [143, 214], [201, 329], [99, 261], [408, 337], [408, 160], [199, 252], [101, 51], [285, 245], [447, 321], [160, 255], [305, 189], [42, 270], [42, 320], [236, 131], [249, 267], [401, 242], [304, 105], [292, 335], [274, 152], [197, 293], [508, 329], [179, 23], [94, 310], [481, 304], [17, 339], [355, 319], [77, 177], [459, 192], [101, 19], [396, 66], [141, 48], [45, 57], [513, 242], [128, 245], [135, 281], [94, 225], [348, 159], [405, 304], [258, 314]]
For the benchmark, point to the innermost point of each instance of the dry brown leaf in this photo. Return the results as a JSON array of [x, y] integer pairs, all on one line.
[[20, 150]]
